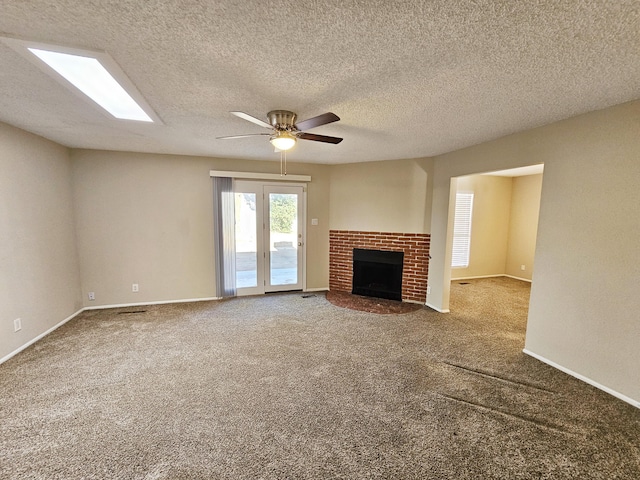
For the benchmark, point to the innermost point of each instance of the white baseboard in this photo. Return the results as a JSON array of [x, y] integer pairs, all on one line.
[[324, 289], [437, 309], [477, 276], [593, 383], [42, 335], [518, 278], [162, 302], [491, 276]]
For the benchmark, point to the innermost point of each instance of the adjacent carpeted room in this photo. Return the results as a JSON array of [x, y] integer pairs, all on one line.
[[292, 386]]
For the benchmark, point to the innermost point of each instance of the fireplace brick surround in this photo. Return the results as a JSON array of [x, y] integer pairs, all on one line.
[[415, 269]]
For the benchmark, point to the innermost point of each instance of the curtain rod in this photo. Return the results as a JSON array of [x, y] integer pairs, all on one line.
[[260, 176]]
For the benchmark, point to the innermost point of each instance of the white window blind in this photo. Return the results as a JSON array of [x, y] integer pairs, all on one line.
[[462, 230]]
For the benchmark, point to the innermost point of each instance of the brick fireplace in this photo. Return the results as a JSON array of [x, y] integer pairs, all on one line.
[[415, 247]]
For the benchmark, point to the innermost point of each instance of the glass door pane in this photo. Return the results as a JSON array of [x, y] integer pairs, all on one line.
[[284, 212], [283, 238], [246, 240]]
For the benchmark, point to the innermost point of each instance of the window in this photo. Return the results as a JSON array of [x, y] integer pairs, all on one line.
[[93, 73], [462, 230]]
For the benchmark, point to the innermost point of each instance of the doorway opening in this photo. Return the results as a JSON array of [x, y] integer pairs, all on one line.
[[498, 233]]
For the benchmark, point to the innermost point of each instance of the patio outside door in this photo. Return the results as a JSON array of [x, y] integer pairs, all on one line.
[[269, 237]]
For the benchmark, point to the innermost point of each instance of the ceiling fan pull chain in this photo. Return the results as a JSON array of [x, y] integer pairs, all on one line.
[[285, 163]]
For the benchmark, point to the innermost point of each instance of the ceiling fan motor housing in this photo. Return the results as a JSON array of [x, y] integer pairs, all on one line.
[[282, 119]]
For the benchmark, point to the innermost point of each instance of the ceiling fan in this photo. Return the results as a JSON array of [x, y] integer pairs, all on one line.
[[285, 131]]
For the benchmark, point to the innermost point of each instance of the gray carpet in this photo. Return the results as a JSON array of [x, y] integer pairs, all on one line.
[[283, 386]]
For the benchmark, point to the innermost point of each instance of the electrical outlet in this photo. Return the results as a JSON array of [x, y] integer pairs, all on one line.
[[522, 267], [92, 296], [428, 289], [135, 288], [17, 325]]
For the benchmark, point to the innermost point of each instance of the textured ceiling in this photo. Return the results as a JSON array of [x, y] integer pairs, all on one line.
[[408, 78]]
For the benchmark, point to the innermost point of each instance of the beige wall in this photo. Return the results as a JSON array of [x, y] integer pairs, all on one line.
[[584, 308], [489, 225], [584, 300], [388, 196], [523, 225], [148, 219], [39, 275]]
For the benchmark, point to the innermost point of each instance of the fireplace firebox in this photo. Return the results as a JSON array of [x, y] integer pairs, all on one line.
[[377, 273]]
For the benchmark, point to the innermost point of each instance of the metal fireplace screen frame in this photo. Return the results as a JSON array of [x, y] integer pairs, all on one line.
[[377, 273]]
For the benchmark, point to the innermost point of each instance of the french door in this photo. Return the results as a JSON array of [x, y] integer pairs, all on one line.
[[269, 237]]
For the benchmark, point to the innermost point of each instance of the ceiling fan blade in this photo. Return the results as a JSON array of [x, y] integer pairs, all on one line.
[[317, 121], [249, 118], [242, 136], [319, 138]]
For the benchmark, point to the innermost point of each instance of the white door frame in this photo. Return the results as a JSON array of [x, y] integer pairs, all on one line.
[[262, 235]]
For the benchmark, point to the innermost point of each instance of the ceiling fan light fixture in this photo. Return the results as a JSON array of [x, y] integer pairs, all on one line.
[[283, 140]]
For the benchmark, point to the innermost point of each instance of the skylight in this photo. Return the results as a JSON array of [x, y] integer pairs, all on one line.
[[89, 76]]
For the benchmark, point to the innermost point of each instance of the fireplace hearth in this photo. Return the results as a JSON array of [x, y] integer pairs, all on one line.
[[377, 273]]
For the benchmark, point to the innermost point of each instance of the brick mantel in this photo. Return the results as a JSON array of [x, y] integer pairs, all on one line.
[[415, 270]]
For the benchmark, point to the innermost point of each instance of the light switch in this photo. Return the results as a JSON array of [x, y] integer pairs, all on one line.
[[314, 221]]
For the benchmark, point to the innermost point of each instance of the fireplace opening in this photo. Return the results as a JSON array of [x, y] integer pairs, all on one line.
[[377, 273]]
